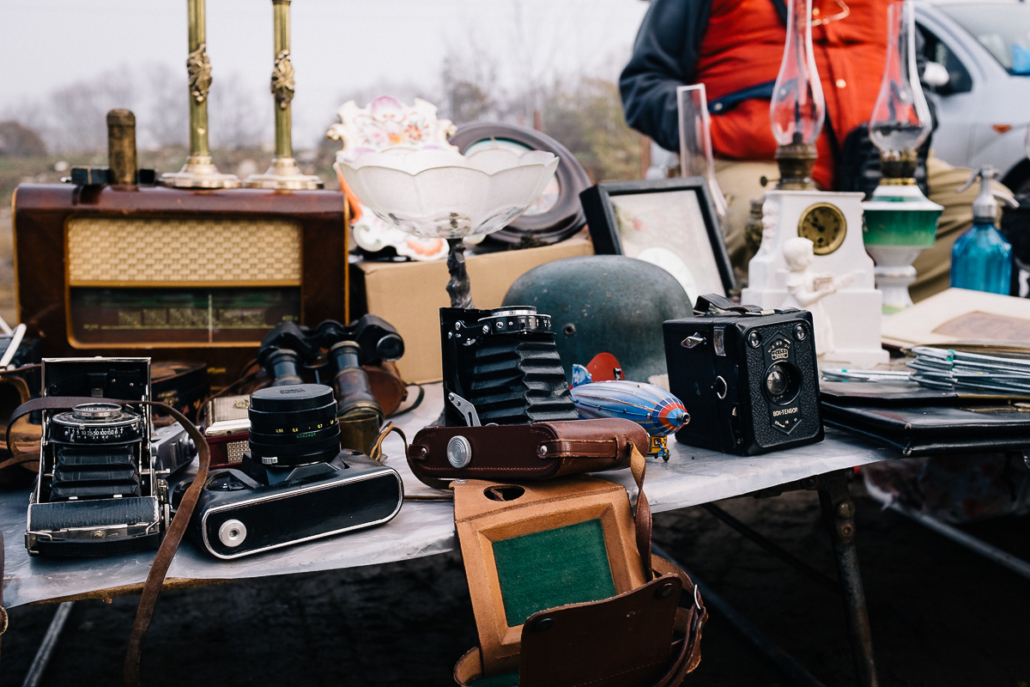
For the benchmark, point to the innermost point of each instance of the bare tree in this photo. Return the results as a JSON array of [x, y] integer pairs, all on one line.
[[78, 112], [166, 120], [235, 120]]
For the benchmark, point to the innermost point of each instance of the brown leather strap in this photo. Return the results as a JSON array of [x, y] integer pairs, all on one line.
[[3, 610], [19, 459], [51, 403], [169, 545], [469, 667], [689, 621], [376, 452], [638, 466]]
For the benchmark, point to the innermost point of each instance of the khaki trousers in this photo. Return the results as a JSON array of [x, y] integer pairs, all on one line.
[[740, 182]]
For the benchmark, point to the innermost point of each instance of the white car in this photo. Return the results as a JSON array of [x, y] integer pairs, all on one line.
[[983, 103]]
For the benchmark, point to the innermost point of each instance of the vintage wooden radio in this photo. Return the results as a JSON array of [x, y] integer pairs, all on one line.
[[180, 274]]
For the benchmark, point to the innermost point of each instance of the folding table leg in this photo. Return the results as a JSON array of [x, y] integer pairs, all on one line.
[[839, 516]]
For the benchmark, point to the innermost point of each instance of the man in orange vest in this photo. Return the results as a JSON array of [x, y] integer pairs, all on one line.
[[734, 47]]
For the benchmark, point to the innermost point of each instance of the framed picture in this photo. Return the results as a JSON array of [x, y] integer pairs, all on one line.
[[667, 222], [556, 214]]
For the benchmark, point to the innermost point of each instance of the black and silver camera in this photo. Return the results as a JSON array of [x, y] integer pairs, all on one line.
[[102, 480], [749, 377], [294, 484], [505, 363]]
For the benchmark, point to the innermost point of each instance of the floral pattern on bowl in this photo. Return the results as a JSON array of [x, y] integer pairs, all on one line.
[[383, 124]]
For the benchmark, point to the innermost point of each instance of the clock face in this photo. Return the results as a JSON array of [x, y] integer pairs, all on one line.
[[824, 225]]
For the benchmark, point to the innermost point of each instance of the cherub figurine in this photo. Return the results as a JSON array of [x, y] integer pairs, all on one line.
[[806, 289]]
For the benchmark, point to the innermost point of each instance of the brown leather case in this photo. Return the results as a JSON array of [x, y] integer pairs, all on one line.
[[533, 452], [623, 641]]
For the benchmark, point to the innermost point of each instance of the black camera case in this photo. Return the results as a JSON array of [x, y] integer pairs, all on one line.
[[749, 377]]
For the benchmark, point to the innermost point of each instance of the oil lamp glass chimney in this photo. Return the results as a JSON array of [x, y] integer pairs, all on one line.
[[797, 109], [901, 119]]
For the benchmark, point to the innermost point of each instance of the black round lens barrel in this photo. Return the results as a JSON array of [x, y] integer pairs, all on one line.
[[293, 425]]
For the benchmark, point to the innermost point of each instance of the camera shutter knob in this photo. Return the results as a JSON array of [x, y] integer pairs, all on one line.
[[459, 451], [232, 533]]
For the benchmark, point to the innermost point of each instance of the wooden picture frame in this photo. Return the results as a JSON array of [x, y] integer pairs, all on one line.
[[487, 513], [653, 210]]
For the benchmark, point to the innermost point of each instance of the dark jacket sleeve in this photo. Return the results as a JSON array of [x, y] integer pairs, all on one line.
[[664, 57]]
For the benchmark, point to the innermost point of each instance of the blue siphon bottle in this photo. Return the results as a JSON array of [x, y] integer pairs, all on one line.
[[981, 258]]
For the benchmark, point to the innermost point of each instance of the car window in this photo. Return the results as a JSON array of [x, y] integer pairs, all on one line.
[[1003, 29], [936, 50]]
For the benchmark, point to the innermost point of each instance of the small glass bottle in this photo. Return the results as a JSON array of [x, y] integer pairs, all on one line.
[[981, 258]]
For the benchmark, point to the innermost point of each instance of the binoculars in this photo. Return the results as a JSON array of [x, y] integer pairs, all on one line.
[[289, 349]]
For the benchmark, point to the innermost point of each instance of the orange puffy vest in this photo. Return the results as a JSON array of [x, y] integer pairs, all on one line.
[[743, 47]]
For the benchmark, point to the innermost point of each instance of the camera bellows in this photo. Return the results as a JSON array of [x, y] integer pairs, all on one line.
[[520, 381], [293, 425], [92, 474], [504, 362]]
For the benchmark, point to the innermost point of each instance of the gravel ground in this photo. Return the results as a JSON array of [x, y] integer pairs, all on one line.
[[940, 614]]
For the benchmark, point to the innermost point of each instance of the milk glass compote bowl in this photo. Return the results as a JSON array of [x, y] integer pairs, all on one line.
[[444, 194]]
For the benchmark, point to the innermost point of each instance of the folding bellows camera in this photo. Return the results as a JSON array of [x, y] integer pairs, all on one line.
[[102, 485], [749, 377]]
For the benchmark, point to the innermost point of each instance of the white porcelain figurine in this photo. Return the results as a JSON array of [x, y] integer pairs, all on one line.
[[806, 289]]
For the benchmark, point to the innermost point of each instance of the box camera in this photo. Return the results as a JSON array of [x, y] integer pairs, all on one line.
[[102, 477], [505, 363], [294, 484], [749, 377]]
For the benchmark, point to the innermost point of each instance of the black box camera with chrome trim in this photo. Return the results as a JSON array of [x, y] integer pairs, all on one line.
[[749, 376], [295, 484]]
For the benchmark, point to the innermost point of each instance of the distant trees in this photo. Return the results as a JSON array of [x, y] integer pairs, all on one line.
[[17, 140]]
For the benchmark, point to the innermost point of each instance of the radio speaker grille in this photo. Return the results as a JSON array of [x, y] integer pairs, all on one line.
[[115, 251]]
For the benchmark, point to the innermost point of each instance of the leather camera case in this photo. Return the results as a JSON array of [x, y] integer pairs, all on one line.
[[570, 644], [532, 452]]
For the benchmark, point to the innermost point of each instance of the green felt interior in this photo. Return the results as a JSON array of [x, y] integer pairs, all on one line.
[[542, 570], [502, 680]]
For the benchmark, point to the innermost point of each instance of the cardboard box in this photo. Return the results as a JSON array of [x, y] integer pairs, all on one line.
[[409, 296]]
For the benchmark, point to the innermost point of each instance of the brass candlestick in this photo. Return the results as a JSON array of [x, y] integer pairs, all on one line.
[[283, 174], [199, 171]]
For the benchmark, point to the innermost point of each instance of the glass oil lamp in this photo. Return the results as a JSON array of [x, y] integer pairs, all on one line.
[[900, 222], [797, 109]]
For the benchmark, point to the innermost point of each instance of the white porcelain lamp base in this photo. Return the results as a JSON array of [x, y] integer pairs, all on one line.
[[894, 274]]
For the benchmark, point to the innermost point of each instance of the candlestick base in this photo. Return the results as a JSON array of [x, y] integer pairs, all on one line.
[[199, 172], [284, 175]]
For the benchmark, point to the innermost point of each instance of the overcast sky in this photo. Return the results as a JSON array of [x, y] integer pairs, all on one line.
[[337, 45]]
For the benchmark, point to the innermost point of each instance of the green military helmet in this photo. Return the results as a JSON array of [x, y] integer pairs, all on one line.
[[605, 303]]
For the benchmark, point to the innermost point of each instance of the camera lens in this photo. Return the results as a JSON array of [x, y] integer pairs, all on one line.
[[782, 383], [294, 425]]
